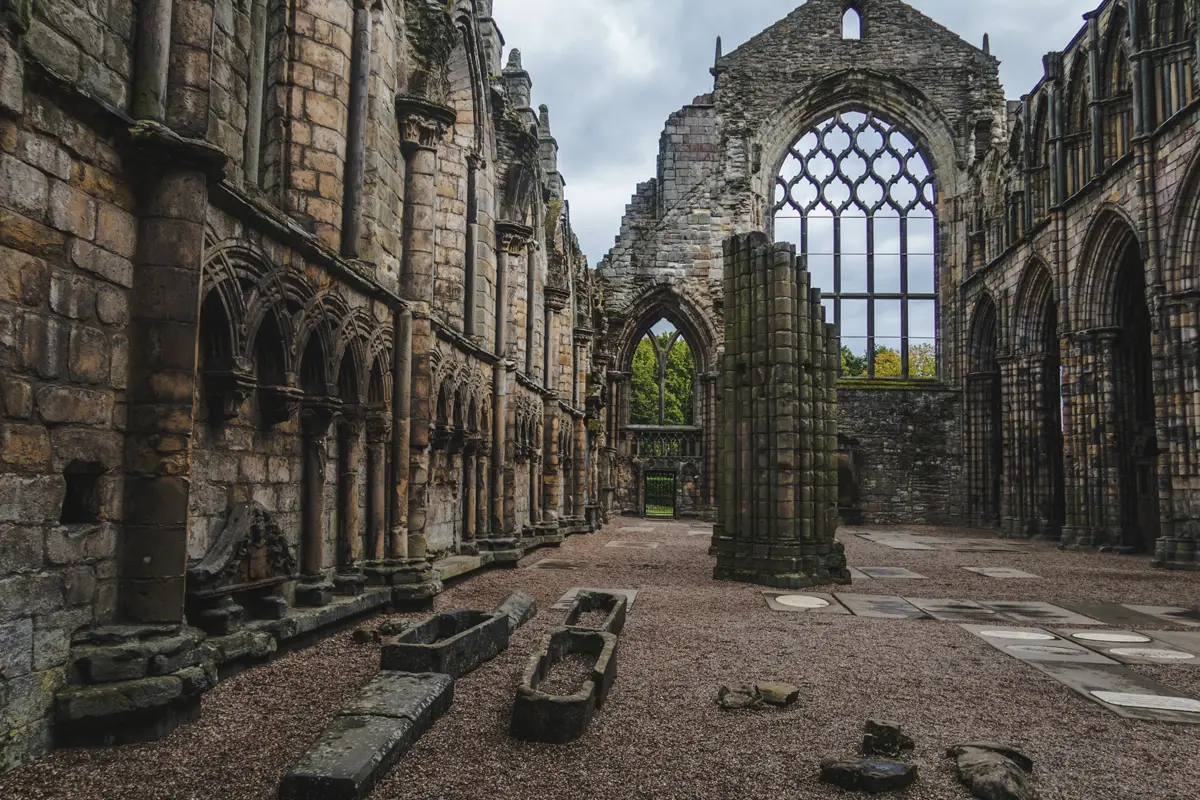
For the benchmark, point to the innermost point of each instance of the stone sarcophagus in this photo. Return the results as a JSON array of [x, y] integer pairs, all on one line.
[[244, 570], [777, 493]]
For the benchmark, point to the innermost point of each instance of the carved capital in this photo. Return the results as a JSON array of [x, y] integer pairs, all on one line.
[[422, 124], [227, 384], [277, 404], [557, 298], [511, 237], [379, 427], [317, 415]]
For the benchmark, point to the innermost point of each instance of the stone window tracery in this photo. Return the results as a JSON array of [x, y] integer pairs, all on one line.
[[857, 198], [1079, 128], [664, 376]]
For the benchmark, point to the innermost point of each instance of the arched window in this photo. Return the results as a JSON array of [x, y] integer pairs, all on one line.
[[1040, 160], [664, 378], [1171, 60], [1079, 127], [857, 198], [851, 24], [1118, 83]]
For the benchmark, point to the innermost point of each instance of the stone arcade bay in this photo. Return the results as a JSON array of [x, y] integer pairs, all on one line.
[[296, 330]]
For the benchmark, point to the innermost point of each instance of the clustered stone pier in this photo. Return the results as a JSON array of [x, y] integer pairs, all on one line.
[[777, 417]]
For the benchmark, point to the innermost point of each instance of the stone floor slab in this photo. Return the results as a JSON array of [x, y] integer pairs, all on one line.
[[955, 610], [1110, 684], [858, 575], [1038, 613], [1035, 644], [637, 529], [622, 545], [1184, 640], [1112, 614], [559, 563], [563, 603], [1001, 572], [892, 573], [1185, 617], [804, 602], [880, 606]]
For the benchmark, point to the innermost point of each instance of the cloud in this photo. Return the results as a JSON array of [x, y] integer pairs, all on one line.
[[613, 70]]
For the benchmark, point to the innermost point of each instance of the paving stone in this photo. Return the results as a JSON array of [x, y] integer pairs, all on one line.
[[858, 575], [1185, 617], [1001, 572], [1113, 681], [1038, 613], [633, 545], [1112, 614], [880, 606], [892, 573], [955, 610], [1184, 640], [804, 603], [1128, 647], [558, 563], [637, 529], [563, 603]]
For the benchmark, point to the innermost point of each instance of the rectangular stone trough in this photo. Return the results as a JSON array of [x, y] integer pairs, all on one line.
[[453, 644], [556, 719], [614, 605], [368, 737]]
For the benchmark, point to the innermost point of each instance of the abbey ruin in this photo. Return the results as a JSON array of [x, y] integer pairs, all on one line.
[[295, 331]]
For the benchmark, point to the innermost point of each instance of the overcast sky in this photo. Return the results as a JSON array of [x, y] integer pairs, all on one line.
[[613, 70]]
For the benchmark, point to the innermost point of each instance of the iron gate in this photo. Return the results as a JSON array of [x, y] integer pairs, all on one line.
[[660, 495]]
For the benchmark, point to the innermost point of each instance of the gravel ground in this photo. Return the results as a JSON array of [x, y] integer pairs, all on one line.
[[660, 735]]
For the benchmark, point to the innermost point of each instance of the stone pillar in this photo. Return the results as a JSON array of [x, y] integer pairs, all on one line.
[[551, 461], [469, 500], [252, 157], [579, 467], [164, 316], [401, 430], [349, 578], [423, 126], [778, 495], [708, 394], [482, 477], [511, 238], [356, 129], [153, 59], [314, 589], [378, 428], [1179, 547]]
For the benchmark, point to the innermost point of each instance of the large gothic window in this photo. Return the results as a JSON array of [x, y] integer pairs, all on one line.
[[664, 376], [857, 198]]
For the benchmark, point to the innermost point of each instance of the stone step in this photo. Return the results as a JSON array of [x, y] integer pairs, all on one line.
[[368, 736], [454, 566]]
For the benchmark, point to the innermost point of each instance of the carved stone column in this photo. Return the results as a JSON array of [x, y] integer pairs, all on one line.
[[314, 588], [349, 578], [551, 462], [511, 238], [378, 430], [469, 499], [423, 127]]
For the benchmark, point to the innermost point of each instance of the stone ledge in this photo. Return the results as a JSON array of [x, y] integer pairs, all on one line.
[[368, 736]]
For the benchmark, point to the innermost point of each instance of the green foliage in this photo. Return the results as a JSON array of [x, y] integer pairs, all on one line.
[[887, 363], [679, 383], [853, 366], [922, 360]]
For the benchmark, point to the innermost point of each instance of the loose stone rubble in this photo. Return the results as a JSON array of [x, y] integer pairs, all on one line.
[[882, 738], [994, 772], [868, 775]]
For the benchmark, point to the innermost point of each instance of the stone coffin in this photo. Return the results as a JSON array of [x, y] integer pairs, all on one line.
[[556, 719], [368, 737], [452, 644], [586, 602]]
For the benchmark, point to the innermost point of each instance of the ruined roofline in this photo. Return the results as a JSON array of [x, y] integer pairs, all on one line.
[[798, 14], [1072, 45]]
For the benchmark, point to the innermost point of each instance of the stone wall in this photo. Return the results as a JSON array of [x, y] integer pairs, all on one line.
[[195, 346]]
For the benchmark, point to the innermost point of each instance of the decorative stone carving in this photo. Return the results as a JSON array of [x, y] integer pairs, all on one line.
[[422, 123], [228, 384], [249, 558]]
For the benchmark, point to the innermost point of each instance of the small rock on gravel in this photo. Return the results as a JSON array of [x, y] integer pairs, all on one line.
[[364, 636], [992, 776], [393, 627], [883, 738], [868, 774], [778, 694], [1019, 758], [738, 697]]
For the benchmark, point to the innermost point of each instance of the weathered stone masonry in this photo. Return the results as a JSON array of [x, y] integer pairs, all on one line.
[[273, 337], [1066, 399]]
